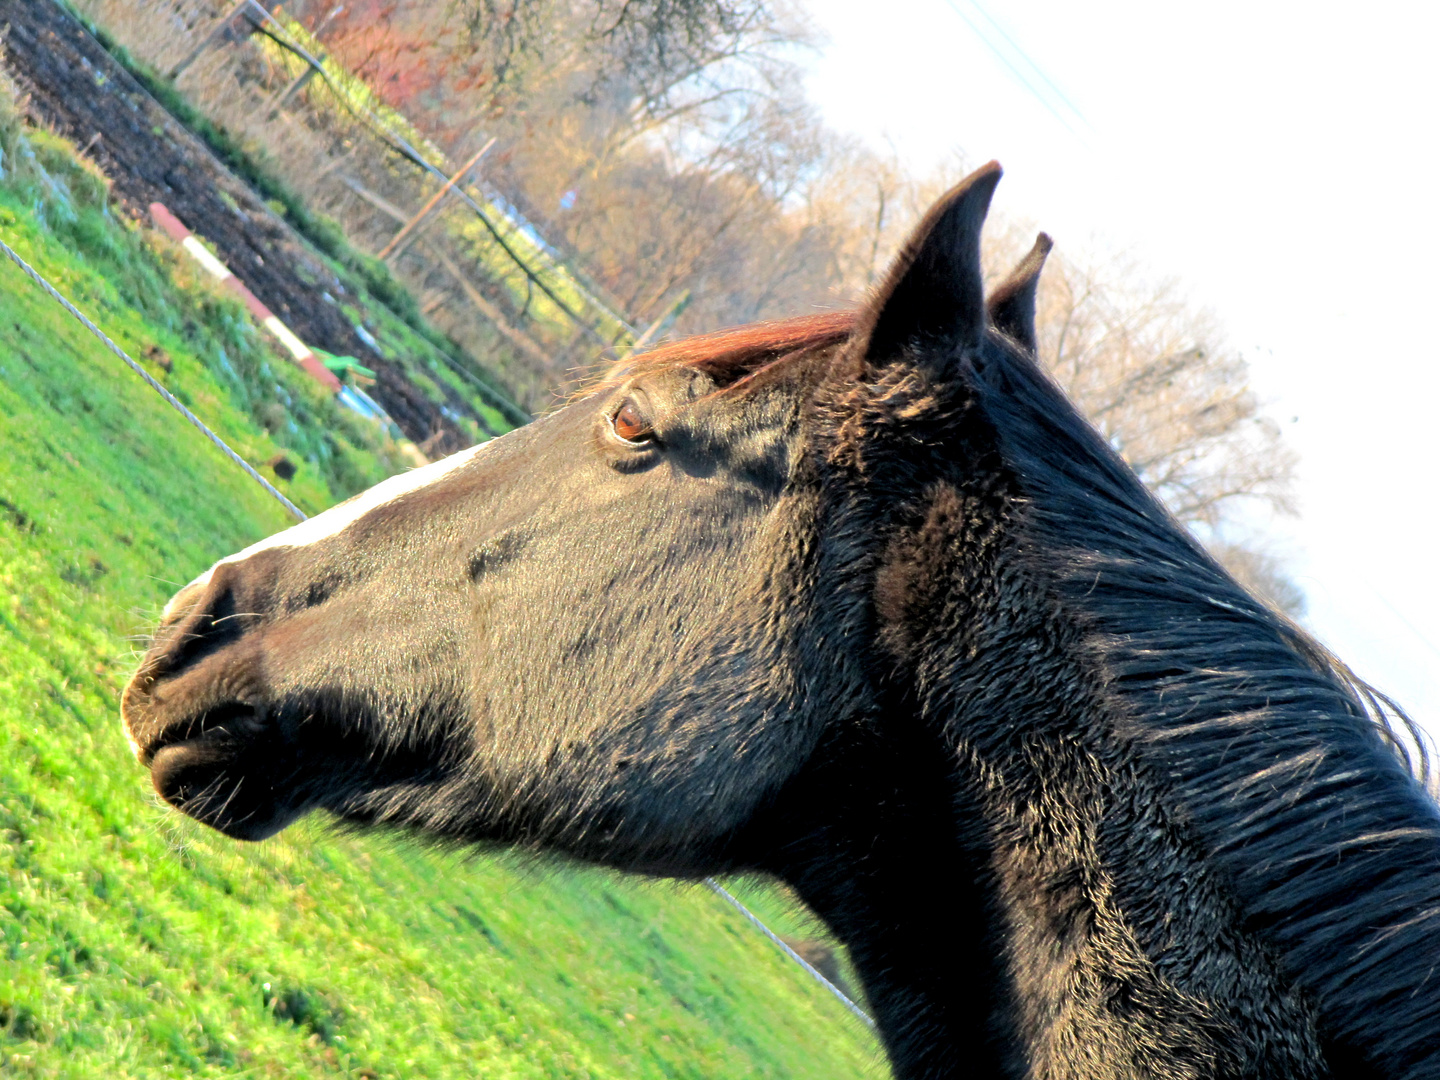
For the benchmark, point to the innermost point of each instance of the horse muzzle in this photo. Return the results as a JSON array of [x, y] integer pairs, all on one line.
[[195, 714]]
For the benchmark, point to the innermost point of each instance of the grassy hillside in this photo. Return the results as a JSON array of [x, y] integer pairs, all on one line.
[[140, 945]]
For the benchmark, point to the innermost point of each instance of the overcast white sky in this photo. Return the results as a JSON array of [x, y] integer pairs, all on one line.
[[1280, 159]]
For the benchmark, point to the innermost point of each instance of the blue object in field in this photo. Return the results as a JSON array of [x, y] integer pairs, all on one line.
[[356, 400]]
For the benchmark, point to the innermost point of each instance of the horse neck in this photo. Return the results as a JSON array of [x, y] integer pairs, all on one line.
[[1269, 758], [1079, 833], [878, 840], [1020, 894], [1066, 879], [1018, 900]]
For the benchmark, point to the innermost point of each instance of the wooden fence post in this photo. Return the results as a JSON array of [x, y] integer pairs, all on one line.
[[406, 230], [285, 96], [663, 323], [216, 33]]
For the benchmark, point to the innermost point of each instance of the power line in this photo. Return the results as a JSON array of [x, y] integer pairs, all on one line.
[[729, 898], [1000, 29], [1017, 61], [1403, 619]]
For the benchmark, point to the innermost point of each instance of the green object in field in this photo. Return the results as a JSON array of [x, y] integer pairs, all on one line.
[[346, 367]]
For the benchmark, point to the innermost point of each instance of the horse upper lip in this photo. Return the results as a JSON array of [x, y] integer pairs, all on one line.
[[238, 721]]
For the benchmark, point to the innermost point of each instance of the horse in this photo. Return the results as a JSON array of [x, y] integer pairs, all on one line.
[[858, 601]]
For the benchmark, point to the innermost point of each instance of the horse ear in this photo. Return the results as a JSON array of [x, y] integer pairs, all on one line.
[[1012, 304], [933, 293]]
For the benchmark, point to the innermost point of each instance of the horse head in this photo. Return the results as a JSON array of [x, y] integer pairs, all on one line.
[[582, 635]]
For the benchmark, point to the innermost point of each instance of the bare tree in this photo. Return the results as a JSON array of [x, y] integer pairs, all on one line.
[[1161, 383], [651, 47]]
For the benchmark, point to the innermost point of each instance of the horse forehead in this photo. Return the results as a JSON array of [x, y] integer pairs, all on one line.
[[338, 518]]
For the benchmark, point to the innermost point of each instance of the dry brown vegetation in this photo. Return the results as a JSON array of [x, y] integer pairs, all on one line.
[[665, 150]]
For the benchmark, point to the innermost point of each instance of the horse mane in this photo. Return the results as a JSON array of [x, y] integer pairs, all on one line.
[[1310, 796], [736, 354]]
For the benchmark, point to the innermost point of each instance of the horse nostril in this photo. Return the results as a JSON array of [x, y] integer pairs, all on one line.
[[183, 602], [200, 620]]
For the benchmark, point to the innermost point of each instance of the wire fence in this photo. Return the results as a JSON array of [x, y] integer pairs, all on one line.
[[814, 972], [55, 294], [170, 399]]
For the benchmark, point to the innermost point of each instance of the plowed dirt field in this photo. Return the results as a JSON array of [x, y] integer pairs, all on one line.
[[76, 87]]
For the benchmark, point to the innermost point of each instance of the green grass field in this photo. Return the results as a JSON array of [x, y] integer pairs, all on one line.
[[137, 944]]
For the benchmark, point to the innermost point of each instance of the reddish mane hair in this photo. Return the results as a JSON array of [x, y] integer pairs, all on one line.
[[729, 356]]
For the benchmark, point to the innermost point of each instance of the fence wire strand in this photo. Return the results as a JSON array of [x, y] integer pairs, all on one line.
[[720, 891], [35, 276]]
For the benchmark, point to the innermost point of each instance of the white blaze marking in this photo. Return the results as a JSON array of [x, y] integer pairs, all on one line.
[[337, 518]]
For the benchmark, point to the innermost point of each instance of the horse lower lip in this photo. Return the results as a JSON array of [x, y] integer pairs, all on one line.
[[183, 772], [219, 768], [221, 783]]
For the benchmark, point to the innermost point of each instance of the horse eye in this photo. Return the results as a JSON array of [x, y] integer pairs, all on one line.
[[630, 425]]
